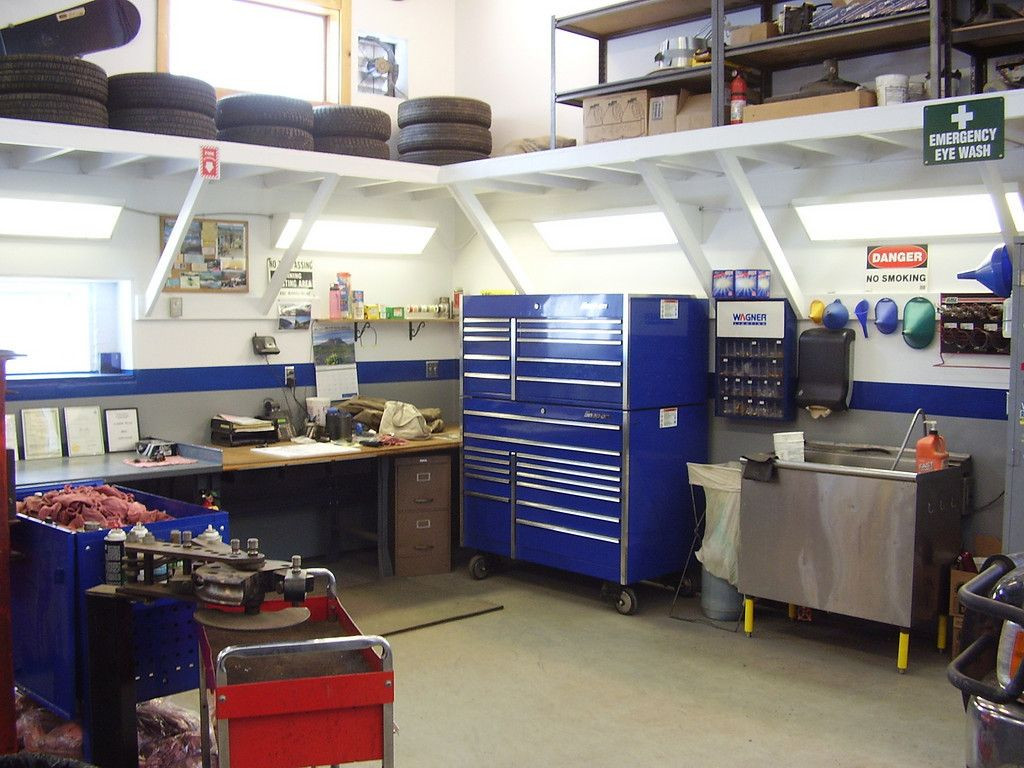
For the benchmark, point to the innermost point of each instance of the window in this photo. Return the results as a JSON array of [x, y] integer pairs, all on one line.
[[288, 47], [62, 326]]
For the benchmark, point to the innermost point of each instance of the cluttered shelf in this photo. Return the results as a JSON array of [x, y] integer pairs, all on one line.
[[629, 18], [241, 458], [1004, 36], [696, 79], [849, 40]]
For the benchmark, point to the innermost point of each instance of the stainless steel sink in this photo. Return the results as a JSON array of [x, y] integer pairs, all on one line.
[[875, 457]]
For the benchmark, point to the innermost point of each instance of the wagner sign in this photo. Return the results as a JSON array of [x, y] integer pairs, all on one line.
[[897, 267]]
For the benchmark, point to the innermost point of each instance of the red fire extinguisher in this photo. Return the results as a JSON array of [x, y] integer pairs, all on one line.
[[737, 98]]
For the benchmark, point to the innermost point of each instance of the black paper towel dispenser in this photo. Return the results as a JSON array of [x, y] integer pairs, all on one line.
[[825, 358]]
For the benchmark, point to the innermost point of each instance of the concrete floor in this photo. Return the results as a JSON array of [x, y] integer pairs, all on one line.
[[558, 678]]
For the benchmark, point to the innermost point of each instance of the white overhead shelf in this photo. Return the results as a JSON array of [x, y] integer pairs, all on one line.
[[659, 163]]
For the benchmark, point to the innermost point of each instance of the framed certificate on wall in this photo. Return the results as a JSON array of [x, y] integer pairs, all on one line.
[[40, 428], [122, 429], [84, 430]]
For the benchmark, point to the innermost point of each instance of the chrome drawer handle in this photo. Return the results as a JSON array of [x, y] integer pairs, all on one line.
[[422, 501]]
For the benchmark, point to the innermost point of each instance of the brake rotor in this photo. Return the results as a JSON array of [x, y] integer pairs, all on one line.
[[287, 617]]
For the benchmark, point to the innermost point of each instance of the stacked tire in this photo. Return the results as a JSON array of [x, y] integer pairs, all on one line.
[[440, 130], [53, 89], [271, 121], [347, 130], [159, 102]]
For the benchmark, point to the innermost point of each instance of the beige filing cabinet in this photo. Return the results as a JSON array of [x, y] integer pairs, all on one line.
[[422, 493]]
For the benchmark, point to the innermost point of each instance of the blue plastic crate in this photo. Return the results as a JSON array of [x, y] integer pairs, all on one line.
[[48, 583]]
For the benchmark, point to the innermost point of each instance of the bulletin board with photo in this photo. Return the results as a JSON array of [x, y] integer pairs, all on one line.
[[214, 257]]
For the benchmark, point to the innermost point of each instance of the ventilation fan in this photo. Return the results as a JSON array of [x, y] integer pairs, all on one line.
[[378, 67]]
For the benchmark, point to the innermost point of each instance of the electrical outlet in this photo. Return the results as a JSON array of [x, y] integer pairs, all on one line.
[[174, 306], [432, 369], [289, 376]]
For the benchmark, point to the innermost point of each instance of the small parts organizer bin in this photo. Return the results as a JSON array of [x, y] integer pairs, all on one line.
[[313, 694]]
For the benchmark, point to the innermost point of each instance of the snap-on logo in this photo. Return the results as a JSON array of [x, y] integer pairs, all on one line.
[[595, 415], [749, 318], [897, 257]]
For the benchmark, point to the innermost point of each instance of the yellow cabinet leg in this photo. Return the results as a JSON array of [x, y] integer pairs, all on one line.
[[943, 632], [792, 611], [904, 652], [748, 616]]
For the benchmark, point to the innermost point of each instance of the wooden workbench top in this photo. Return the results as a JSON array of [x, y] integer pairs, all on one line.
[[242, 458]]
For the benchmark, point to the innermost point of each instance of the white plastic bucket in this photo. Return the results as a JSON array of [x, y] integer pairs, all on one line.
[[891, 89]]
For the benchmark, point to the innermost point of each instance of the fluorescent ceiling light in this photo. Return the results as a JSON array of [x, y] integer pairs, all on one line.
[[350, 236], [55, 218], [907, 217], [630, 230]]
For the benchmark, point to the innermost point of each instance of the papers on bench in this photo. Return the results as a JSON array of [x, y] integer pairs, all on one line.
[[304, 451]]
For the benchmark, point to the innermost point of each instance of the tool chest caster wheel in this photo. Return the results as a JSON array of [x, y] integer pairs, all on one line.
[[479, 568], [626, 602]]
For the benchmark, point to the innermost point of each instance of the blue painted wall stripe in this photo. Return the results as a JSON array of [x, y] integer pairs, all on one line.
[[152, 381], [966, 402]]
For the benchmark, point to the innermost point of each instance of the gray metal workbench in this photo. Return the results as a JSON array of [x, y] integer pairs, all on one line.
[[111, 467]]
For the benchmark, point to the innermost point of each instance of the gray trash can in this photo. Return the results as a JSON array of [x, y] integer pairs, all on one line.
[[719, 600]]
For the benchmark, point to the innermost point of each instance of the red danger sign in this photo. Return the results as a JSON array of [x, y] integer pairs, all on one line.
[[897, 257]]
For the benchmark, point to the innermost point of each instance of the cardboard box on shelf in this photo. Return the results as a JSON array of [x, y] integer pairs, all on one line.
[[616, 116], [695, 112], [753, 33], [661, 113], [833, 102]]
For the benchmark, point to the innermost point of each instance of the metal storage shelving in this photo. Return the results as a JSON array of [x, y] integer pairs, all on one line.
[[854, 40]]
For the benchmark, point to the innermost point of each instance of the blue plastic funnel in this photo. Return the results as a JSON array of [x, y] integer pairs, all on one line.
[[995, 273]]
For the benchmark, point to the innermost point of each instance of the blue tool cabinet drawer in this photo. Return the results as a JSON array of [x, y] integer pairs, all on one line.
[[568, 549], [48, 584]]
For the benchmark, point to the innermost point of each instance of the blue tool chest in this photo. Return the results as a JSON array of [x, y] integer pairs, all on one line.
[[579, 415], [48, 582]]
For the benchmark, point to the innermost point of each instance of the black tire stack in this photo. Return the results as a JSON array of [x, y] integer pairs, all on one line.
[[53, 89], [347, 130], [272, 121], [440, 130], [159, 102]]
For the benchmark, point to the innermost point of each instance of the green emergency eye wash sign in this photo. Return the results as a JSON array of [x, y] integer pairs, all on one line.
[[963, 132]]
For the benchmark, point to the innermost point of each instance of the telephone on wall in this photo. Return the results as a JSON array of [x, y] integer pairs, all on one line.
[[265, 345]]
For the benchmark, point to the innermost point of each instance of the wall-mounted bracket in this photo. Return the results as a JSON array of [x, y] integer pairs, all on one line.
[[741, 185], [360, 331], [316, 206], [414, 333], [173, 245], [687, 236], [491, 235]]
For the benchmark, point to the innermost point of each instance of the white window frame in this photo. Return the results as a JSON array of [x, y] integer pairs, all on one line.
[[338, 28]]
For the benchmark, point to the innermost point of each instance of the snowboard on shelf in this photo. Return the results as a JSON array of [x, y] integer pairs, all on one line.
[[75, 31]]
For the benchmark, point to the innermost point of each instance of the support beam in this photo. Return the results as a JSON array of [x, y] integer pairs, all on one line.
[[313, 210], [26, 156], [512, 186], [691, 164], [398, 188], [553, 181], [997, 190], [105, 161], [904, 140], [776, 256], [603, 176], [490, 234], [674, 173], [841, 149], [689, 239], [169, 167], [174, 241], [774, 155], [244, 171], [287, 179]]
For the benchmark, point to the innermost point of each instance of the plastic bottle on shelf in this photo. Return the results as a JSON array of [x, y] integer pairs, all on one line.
[[931, 450], [737, 97]]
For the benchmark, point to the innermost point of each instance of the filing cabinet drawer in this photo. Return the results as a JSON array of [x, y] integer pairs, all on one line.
[[423, 483], [422, 542]]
